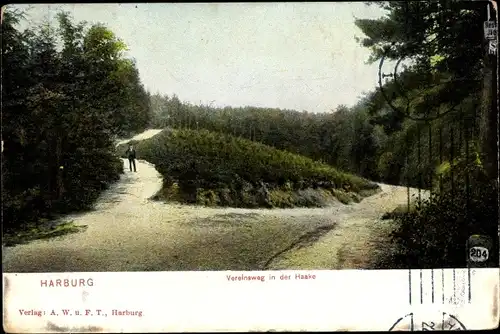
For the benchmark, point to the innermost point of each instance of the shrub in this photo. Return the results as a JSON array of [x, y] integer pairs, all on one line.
[[342, 196], [400, 210], [435, 232], [239, 171]]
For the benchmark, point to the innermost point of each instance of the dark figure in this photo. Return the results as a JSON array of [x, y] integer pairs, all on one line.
[[131, 157]]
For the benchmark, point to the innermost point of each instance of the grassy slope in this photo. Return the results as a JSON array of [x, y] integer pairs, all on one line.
[[210, 168]]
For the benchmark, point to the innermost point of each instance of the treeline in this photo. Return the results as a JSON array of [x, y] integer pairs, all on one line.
[[345, 139], [67, 92], [405, 141], [433, 128], [367, 139]]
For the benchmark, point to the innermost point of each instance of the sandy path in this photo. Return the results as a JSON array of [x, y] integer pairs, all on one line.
[[354, 243], [128, 232], [141, 136]]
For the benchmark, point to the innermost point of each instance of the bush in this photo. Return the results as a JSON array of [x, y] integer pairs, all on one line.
[[239, 171], [84, 177], [400, 210], [342, 196], [435, 232]]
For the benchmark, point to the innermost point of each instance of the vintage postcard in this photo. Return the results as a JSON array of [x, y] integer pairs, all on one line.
[[206, 167]]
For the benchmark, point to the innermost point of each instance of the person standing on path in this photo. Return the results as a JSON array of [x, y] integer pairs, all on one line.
[[131, 157]]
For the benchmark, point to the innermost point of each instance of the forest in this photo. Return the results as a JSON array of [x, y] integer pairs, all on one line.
[[69, 92]]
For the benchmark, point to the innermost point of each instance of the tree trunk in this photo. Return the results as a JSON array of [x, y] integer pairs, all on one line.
[[60, 185], [488, 124]]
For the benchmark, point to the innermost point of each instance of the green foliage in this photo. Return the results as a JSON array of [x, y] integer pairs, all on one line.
[[434, 234], [400, 211], [62, 106], [421, 30], [342, 196], [449, 81], [239, 170], [36, 231], [441, 77], [345, 139], [368, 139], [207, 197]]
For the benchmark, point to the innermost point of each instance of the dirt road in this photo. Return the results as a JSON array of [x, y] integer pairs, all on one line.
[[129, 232]]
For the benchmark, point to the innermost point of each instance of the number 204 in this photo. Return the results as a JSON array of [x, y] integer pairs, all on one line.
[[478, 254]]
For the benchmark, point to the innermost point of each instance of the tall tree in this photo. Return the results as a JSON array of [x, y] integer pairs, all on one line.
[[62, 108], [443, 73]]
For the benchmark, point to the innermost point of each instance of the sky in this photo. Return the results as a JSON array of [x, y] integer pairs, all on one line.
[[300, 56]]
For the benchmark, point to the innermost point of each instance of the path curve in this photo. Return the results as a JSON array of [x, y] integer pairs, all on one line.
[[129, 232], [358, 240]]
